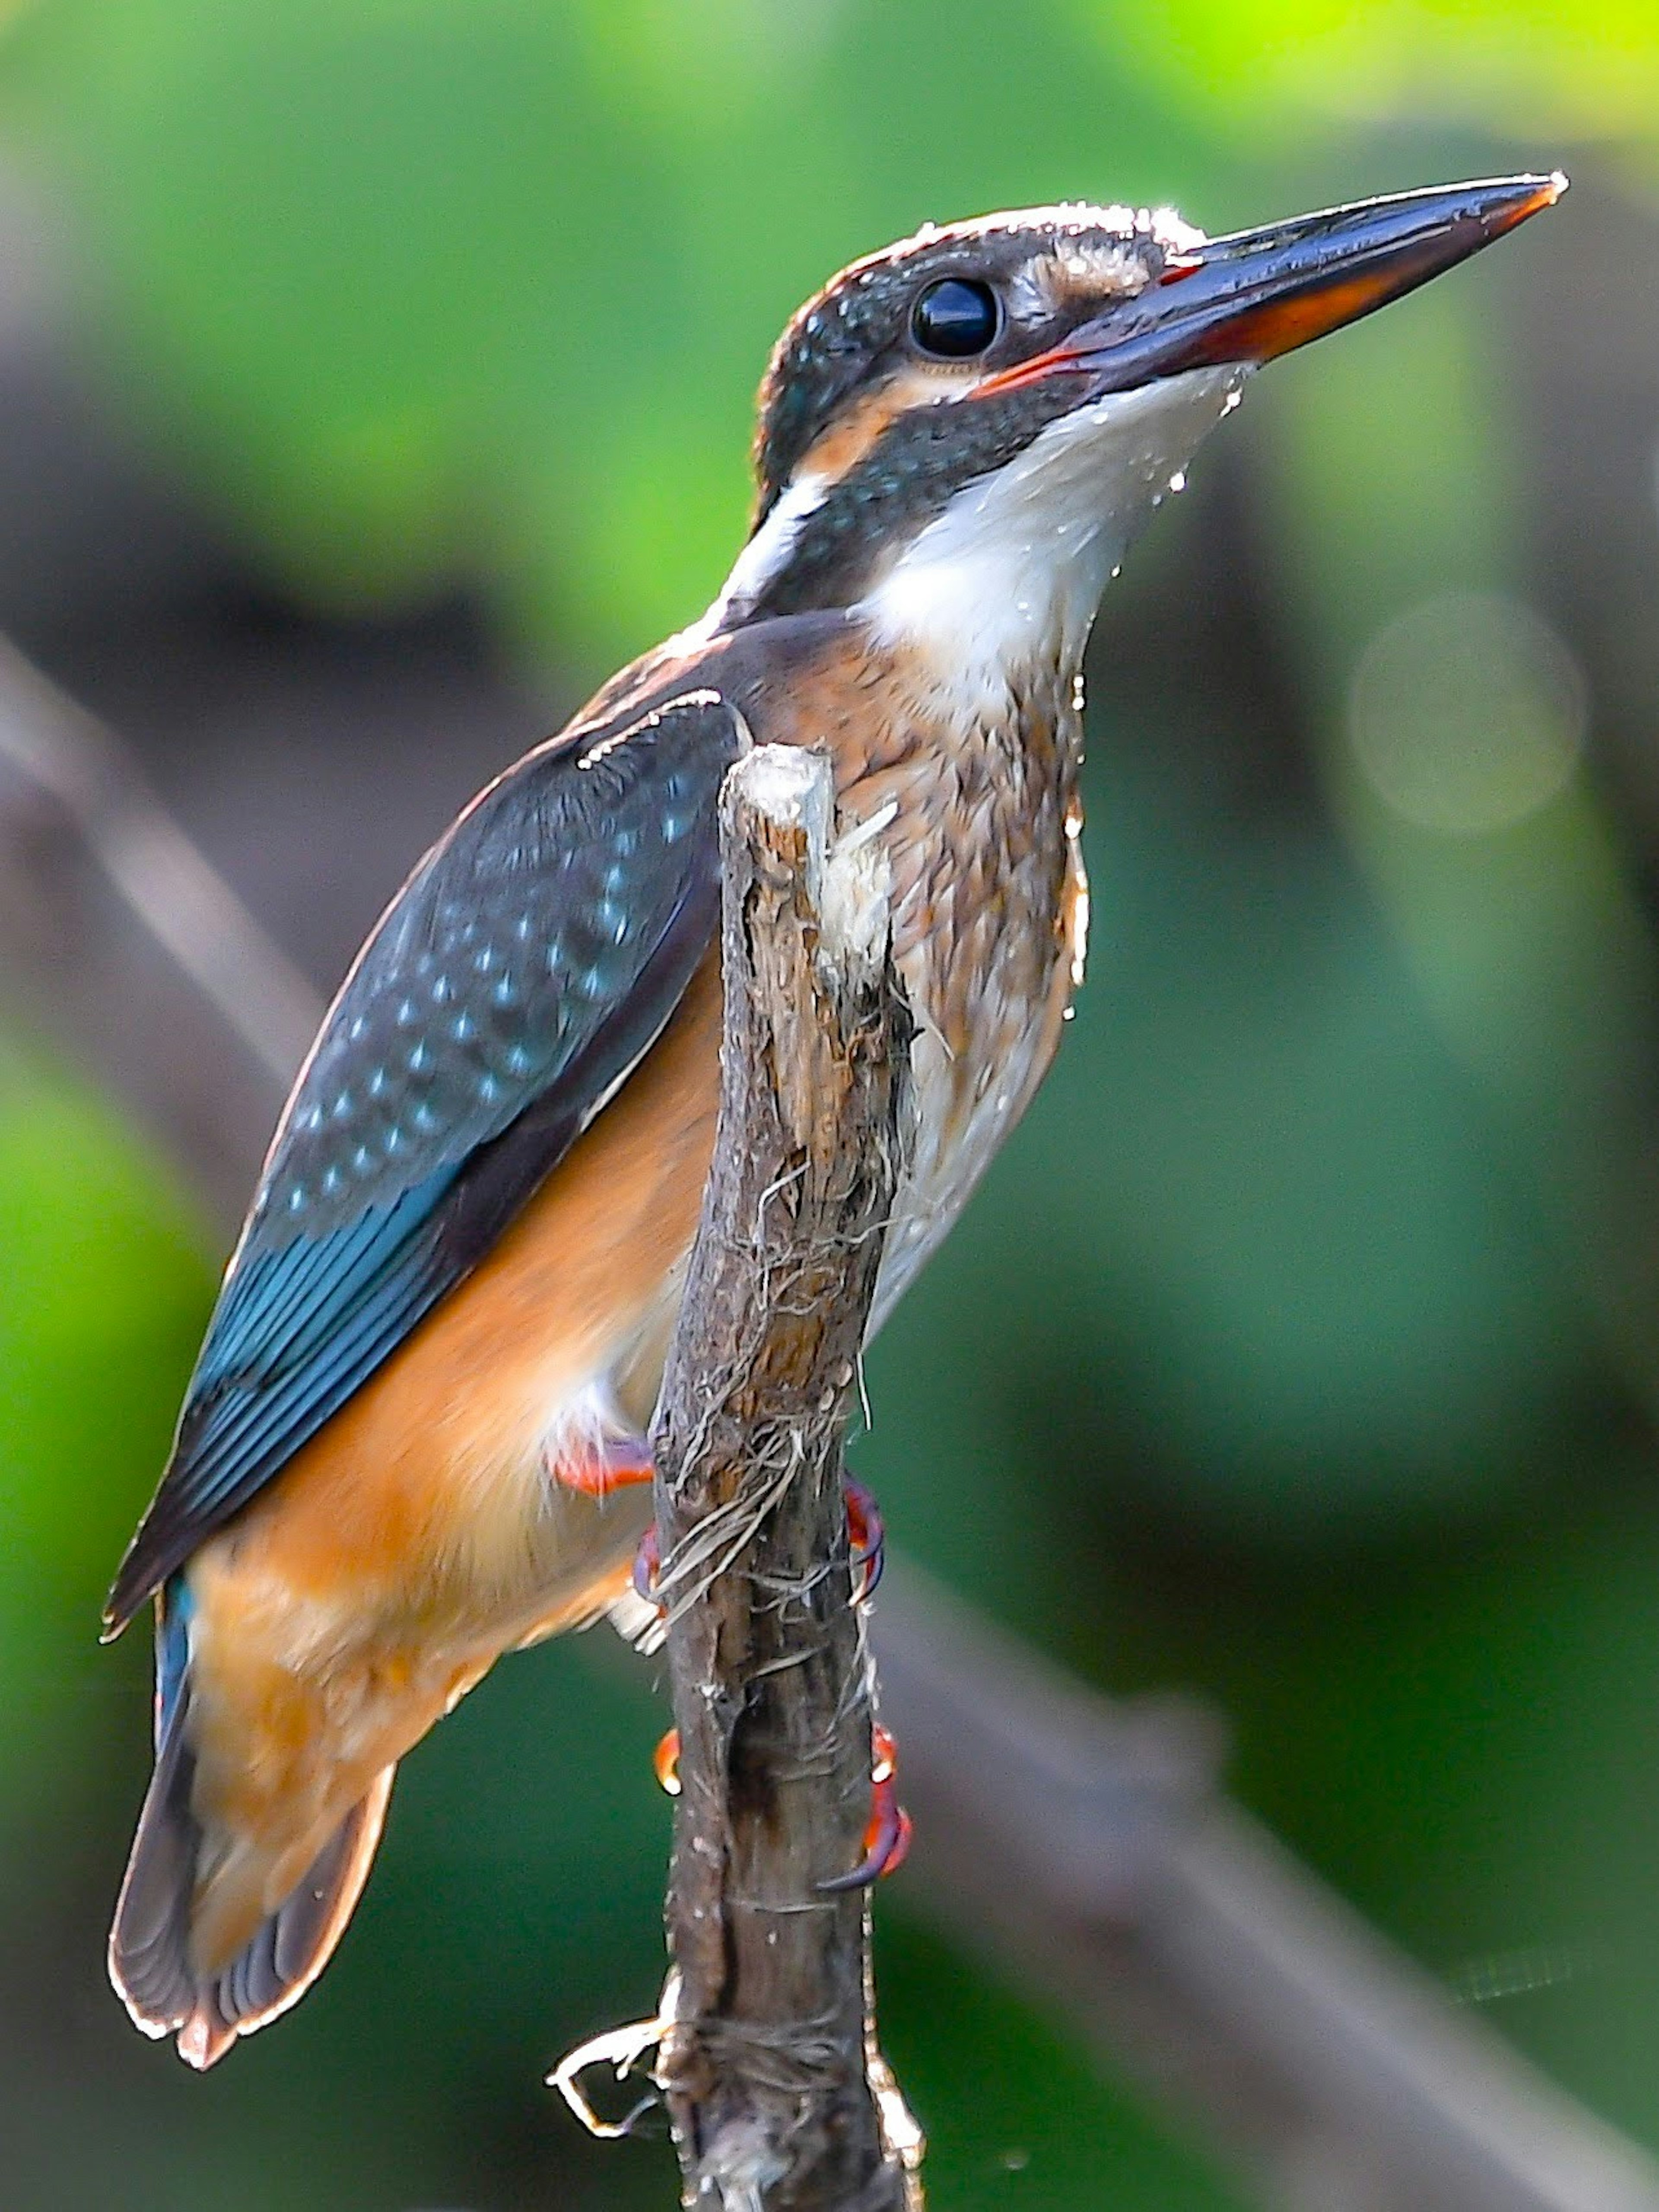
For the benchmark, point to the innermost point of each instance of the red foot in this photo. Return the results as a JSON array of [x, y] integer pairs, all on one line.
[[866, 1539], [887, 1837], [623, 1465], [666, 1763]]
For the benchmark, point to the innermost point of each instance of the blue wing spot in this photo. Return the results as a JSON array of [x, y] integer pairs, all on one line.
[[524, 928], [356, 1027], [296, 1199], [506, 990], [485, 959], [362, 1159], [343, 1106], [462, 1028], [554, 956], [419, 1058], [674, 827], [376, 1083], [312, 1118], [519, 1061], [489, 1089], [408, 1013], [331, 1180], [443, 991], [424, 1118], [626, 844]]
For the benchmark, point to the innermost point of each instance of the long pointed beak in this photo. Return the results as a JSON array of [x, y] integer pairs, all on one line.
[[1261, 292]]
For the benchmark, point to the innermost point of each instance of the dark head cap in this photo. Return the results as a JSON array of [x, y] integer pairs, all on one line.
[[901, 323]]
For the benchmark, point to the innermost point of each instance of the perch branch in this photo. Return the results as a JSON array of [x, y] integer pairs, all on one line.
[[766, 2067]]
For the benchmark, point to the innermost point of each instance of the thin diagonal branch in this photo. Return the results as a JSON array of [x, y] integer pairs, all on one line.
[[117, 937]]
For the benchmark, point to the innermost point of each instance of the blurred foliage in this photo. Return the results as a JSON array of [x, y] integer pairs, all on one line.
[[491, 284], [1304, 1346], [102, 1278], [1542, 64]]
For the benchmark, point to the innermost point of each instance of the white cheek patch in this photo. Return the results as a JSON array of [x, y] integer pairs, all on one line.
[[770, 550], [1012, 573]]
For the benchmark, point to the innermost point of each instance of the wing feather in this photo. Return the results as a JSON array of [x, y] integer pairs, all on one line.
[[531, 960]]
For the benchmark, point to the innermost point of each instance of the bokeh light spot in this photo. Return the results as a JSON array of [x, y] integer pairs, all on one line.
[[1467, 714]]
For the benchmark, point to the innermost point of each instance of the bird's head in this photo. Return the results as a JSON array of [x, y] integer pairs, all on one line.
[[959, 435]]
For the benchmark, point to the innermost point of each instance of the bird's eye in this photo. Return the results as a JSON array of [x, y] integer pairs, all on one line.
[[956, 318]]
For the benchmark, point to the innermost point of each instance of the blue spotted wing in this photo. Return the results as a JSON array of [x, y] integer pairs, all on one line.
[[532, 959]]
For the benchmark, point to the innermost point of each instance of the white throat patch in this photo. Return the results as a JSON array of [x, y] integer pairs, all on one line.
[[1011, 574]]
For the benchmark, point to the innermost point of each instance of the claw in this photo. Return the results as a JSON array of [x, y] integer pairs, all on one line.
[[887, 1836], [866, 1539], [647, 1565], [666, 1763]]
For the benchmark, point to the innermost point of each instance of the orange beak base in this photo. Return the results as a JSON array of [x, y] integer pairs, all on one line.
[[1259, 294]]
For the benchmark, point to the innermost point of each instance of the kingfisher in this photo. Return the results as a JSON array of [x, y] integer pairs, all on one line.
[[417, 1434]]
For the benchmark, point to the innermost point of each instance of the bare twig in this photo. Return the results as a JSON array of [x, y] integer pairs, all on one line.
[[765, 2066], [1083, 1844], [119, 937]]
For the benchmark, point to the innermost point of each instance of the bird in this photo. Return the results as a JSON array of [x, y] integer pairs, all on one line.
[[416, 1435]]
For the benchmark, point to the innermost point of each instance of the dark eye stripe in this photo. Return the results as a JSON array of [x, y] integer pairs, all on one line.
[[955, 319]]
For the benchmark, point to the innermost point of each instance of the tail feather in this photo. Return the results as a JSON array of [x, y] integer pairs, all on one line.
[[150, 1951]]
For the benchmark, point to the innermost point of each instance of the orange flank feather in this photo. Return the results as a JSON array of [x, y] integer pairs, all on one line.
[[420, 1535], [853, 435]]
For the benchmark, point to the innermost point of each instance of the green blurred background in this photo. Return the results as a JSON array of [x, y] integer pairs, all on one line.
[[373, 375]]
